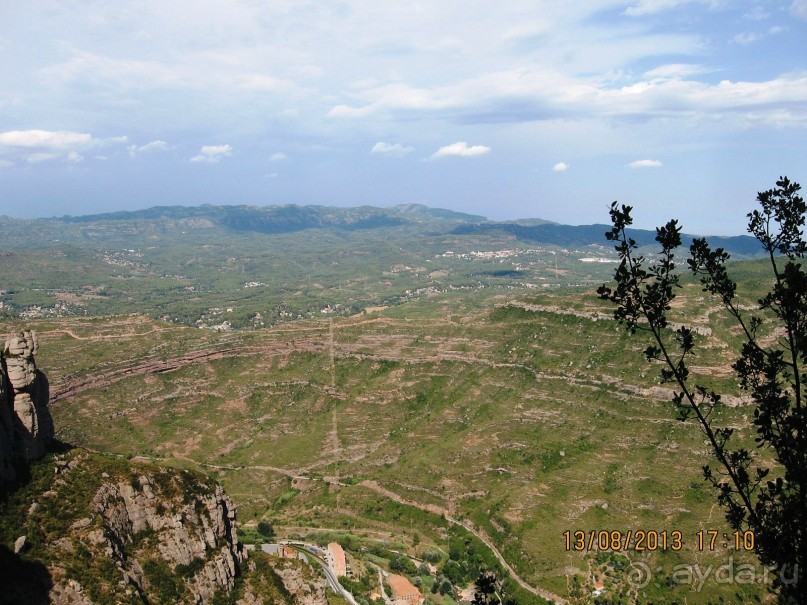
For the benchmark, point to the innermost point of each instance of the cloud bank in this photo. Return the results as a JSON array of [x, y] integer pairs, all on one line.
[[650, 7], [34, 146]]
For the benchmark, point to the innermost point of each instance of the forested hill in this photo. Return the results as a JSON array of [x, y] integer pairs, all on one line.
[[290, 218], [416, 220], [584, 235]]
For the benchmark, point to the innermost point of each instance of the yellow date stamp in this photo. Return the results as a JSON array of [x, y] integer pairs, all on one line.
[[636, 540], [653, 540]]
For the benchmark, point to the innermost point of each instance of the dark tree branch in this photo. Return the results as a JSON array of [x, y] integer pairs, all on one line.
[[776, 510]]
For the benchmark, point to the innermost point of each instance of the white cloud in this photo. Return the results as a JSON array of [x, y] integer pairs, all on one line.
[[346, 111], [35, 139], [649, 7], [560, 167], [674, 71], [578, 61], [278, 156], [539, 93], [395, 96], [42, 156], [186, 62], [229, 70], [645, 164], [36, 146], [212, 154], [799, 9], [395, 150], [6, 164], [157, 145], [757, 14], [747, 38], [525, 31], [460, 149]]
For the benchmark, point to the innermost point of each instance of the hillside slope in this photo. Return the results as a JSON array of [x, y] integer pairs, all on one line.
[[102, 530], [519, 417]]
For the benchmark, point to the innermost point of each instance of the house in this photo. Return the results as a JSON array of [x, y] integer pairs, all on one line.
[[403, 591], [336, 559], [287, 552], [284, 551]]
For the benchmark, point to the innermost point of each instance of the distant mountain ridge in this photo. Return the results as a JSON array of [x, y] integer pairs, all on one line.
[[288, 218], [292, 218], [583, 235]]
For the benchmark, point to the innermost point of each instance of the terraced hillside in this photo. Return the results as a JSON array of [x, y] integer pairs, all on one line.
[[517, 416]]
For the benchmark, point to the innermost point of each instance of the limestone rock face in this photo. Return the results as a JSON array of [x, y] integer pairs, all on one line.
[[26, 427], [19, 352], [6, 433], [305, 591], [106, 530], [136, 533], [285, 582], [185, 529]]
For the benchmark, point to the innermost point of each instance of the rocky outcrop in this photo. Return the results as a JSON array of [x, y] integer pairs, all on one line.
[[272, 581], [191, 528], [111, 531], [297, 578], [102, 529], [6, 433], [26, 427]]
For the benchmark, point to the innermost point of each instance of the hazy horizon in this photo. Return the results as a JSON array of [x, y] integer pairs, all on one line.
[[505, 220]]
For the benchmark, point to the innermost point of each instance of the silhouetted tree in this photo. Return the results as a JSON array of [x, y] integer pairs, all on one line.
[[490, 591], [767, 501], [486, 589], [266, 529]]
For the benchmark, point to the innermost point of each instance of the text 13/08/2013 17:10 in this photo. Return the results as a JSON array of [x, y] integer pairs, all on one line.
[[639, 540]]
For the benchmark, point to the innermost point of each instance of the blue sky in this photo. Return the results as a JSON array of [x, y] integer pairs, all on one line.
[[531, 108]]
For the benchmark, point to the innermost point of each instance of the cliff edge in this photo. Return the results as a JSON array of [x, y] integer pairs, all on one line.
[[26, 427], [82, 528], [106, 530]]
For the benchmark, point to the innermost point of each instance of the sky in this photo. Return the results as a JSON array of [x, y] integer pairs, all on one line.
[[513, 109]]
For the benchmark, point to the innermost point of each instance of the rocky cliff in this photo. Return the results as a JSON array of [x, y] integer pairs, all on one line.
[[110, 531], [272, 581], [84, 528], [81, 528], [26, 427], [190, 529]]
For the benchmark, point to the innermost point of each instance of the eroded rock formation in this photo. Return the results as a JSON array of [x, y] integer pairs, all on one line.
[[191, 526], [26, 427], [101, 529], [111, 531]]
